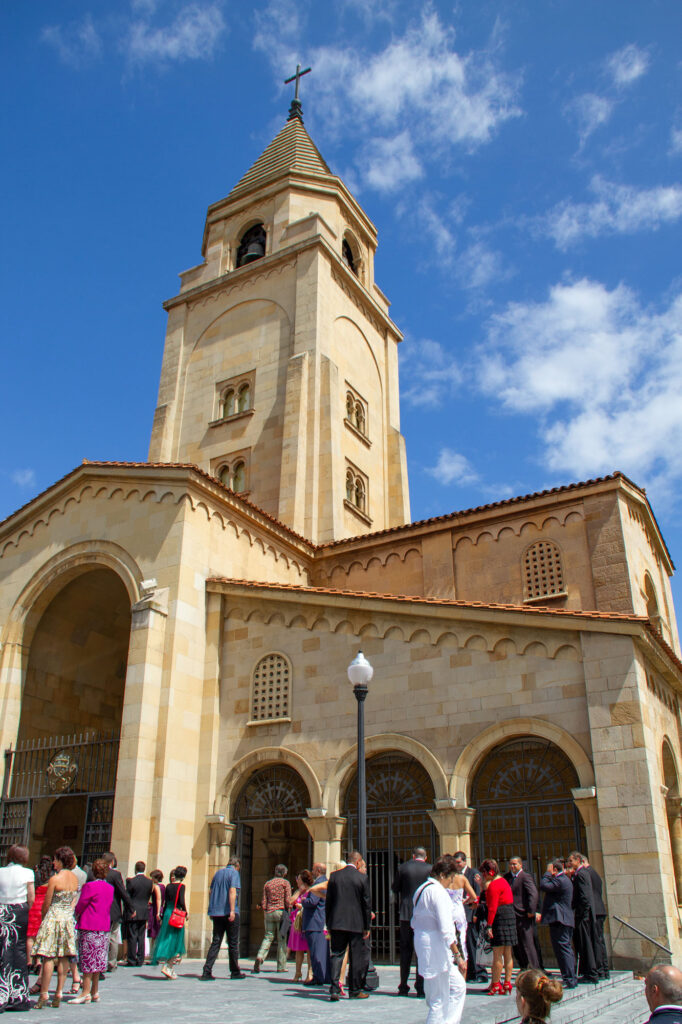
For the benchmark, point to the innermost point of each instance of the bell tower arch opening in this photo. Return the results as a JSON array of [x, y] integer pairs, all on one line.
[[60, 776]]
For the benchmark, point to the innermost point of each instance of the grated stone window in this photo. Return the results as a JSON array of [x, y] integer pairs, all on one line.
[[271, 688], [543, 572]]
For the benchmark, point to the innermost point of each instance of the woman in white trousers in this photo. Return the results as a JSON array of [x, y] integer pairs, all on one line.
[[435, 942]]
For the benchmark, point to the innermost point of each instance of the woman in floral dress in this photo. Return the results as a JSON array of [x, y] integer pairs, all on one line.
[[56, 938], [93, 917]]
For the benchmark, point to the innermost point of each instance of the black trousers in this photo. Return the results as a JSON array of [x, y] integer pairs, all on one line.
[[474, 971], [339, 941], [222, 927], [584, 942], [406, 951], [560, 936], [136, 933], [600, 953], [525, 952]]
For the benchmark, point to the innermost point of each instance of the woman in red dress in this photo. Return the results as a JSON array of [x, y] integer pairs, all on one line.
[[501, 925], [43, 873]]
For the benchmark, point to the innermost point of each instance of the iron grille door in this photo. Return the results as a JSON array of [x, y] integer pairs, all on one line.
[[99, 817], [15, 823], [245, 854]]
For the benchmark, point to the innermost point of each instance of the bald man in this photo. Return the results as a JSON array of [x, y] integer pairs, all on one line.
[[663, 991]]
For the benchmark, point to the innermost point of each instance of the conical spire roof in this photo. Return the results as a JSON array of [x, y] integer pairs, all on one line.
[[290, 152]]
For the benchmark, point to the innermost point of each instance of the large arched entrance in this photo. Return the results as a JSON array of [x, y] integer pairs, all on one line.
[[522, 795], [399, 795], [61, 775], [269, 813]]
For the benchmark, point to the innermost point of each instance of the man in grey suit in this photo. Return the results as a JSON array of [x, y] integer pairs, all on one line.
[[408, 878], [557, 912]]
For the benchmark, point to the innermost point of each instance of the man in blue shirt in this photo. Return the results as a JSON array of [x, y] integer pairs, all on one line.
[[223, 909]]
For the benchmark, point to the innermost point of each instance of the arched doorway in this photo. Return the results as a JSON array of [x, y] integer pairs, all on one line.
[[269, 813], [399, 795], [522, 795], [673, 808], [61, 775]]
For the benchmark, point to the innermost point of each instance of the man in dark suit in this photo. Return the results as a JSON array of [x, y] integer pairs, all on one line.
[[525, 893], [312, 921], [599, 920], [475, 972], [557, 912], [139, 889], [121, 899], [408, 878], [584, 933], [348, 915], [663, 991]]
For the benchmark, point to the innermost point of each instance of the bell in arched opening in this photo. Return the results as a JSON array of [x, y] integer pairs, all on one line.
[[252, 245]]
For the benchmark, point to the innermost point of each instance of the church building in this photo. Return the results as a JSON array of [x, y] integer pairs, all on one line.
[[175, 634]]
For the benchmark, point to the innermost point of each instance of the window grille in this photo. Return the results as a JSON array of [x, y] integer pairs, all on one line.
[[271, 690], [543, 572]]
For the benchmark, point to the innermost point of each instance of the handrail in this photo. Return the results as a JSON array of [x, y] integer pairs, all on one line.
[[643, 934]]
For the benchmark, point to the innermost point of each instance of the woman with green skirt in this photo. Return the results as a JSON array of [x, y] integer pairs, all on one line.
[[169, 947]]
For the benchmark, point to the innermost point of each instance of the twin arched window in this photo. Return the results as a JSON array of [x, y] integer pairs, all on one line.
[[356, 490], [233, 476], [356, 412], [236, 400], [271, 688], [543, 574]]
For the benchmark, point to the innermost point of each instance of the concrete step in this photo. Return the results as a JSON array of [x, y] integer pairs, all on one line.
[[617, 1000]]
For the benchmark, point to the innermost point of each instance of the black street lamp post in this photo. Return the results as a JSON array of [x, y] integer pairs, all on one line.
[[360, 673]]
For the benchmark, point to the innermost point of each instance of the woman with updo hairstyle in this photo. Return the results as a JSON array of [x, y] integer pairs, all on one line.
[[93, 916], [17, 892], [535, 993], [56, 938]]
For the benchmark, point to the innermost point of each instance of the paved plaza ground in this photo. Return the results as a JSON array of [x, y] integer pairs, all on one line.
[[142, 996]]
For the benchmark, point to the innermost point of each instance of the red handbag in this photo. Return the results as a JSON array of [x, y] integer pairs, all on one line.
[[177, 917]]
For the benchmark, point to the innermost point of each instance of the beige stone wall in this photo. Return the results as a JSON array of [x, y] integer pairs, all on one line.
[[646, 558]]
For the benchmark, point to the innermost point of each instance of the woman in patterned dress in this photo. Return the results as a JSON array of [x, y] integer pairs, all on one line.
[[16, 897], [93, 917], [56, 938]]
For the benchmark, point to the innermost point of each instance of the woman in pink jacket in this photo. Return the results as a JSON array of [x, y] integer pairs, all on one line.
[[93, 922]]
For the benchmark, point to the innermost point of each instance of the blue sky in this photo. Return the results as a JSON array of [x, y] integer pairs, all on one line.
[[523, 165]]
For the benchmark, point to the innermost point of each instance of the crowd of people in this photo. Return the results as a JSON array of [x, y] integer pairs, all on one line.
[[78, 920]]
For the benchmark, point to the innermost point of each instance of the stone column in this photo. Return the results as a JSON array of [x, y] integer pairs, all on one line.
[[586, 801], [454, 826], [136, 774], [326, 834], [11, 674]]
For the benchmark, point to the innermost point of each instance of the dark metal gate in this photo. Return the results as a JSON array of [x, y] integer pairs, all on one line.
[[522, 793], [399, 791], [245, 854], [57, 766]]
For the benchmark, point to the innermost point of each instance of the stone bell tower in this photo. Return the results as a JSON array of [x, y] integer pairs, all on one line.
[[280, 369]]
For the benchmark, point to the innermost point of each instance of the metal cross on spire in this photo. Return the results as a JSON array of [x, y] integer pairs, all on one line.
[[296, 110]]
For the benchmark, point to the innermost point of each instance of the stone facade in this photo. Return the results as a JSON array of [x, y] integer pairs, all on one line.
[[141, 598]]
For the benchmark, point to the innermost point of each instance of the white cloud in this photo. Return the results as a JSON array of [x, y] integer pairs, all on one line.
[[194, 34], [452, 468], [428, 373], [617, 209], [478, 266], [390, 163], [590, 111], [76, 44], [417, 93], [627, 65], [601, 374], [24, 477]]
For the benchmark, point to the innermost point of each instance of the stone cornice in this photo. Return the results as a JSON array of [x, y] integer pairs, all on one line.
[[155, 481], [275, 263]]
